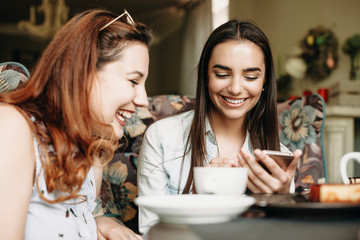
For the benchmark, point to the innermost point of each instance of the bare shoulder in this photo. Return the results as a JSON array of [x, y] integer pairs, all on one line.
[[16, 140], [12, 120], [14, 129], [17, 168]]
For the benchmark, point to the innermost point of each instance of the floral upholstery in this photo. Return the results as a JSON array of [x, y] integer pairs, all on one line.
[[301, 122], [119, 185], [12, 75]]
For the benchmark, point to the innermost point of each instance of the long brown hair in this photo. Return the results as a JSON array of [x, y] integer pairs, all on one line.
[[57, 96], [261, 121]]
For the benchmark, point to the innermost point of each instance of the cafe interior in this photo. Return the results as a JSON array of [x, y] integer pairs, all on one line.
[[316, 51]]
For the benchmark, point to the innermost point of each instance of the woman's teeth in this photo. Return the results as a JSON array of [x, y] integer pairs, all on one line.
[[235, 101], [122, 115]]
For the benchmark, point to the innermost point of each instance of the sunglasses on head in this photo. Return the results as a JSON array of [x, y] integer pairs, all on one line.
[[129, 20]]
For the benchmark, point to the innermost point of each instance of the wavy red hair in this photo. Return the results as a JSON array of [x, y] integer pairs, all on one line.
[[57, 96]]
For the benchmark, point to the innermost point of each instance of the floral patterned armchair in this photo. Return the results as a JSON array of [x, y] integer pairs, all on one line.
[[119, 185], [12, 75], [300, 126], [301, 123]]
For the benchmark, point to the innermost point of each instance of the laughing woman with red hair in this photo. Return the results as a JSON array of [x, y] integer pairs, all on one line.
[[62, 126]]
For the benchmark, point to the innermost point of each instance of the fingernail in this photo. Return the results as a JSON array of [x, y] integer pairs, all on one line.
[[257, 151]]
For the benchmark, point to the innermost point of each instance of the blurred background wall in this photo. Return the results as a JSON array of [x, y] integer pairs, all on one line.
[[285, 22]]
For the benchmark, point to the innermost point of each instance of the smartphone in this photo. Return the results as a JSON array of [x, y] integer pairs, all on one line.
[[282, 158]]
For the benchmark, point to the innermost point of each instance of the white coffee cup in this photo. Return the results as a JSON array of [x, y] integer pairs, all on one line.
[[220, 180], [344, 162]]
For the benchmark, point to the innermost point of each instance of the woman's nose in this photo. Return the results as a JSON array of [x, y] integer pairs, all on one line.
[[141, 99], [235, 86]]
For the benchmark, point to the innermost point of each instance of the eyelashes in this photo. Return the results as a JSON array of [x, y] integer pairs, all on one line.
[[223, 76], [134, 82]]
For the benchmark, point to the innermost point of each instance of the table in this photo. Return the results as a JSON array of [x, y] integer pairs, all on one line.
[[259, 229], [271, 223]]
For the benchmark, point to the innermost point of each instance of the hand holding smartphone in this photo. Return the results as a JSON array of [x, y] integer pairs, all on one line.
[[282, 158]]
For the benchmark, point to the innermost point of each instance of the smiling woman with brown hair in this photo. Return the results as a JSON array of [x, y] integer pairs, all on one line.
[[235, 118]]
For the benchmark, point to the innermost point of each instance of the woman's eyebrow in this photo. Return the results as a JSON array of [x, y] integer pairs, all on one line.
[[221, 67], [252, 69], [136, 72]]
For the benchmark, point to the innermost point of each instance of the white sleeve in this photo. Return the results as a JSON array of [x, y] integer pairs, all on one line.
[[152, 178]]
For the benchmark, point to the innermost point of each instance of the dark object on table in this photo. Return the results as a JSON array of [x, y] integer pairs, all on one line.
[[298, 206]]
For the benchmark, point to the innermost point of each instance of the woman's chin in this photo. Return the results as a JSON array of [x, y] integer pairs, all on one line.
[[119, 133], [118, 130]]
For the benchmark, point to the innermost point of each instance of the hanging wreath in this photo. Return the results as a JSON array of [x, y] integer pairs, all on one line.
[[320, 52]]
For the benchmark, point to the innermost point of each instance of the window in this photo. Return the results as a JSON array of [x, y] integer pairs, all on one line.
[[220, 12]]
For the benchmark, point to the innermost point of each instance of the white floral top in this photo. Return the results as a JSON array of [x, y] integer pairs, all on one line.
[[65, 220]]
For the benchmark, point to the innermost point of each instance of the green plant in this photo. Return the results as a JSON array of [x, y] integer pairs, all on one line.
[[351, 47]]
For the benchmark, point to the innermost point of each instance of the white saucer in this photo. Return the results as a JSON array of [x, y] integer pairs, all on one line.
[[197, 208]]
